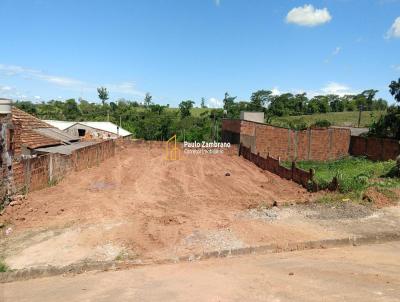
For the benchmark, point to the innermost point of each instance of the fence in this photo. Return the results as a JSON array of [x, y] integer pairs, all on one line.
[[39, 172], [273, 165], [311, 144], [374, 148]]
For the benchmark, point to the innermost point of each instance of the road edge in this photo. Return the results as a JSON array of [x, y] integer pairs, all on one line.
[[82, 267]]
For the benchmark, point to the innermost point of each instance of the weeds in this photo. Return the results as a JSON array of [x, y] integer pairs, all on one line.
[[354, 174], [3, 267]]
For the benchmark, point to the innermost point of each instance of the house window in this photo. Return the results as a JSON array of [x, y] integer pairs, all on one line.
[[81, 132]]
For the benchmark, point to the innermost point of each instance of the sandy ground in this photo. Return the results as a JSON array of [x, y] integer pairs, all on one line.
[[364, 273], [139, 204]]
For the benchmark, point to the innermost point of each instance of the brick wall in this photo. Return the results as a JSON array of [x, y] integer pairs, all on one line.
[[39, 172], [92, 155], [374, 148], [310, 144]]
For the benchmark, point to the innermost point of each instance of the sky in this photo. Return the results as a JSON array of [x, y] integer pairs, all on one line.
[[188, 49]]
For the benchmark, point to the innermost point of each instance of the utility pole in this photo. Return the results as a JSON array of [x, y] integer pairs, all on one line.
[[361, 107]]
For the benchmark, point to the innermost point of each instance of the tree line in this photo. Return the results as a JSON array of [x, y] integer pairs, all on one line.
[[149, 120], [288, 104]]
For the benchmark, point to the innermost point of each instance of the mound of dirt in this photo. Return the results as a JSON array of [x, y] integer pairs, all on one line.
[[378, 198]]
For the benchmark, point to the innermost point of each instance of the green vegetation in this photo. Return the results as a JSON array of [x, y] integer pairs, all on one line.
[[151, 121], [347, 118], [389, 124], [354, 174], [3, 267], [145, 120]]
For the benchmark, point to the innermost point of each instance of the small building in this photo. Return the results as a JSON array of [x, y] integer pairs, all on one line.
[[91, 130], [257, 117]]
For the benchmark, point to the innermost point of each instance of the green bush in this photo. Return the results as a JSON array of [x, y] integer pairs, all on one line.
[[322, 124], [3, 267]]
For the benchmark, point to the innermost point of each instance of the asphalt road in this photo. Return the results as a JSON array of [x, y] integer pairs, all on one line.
[[363, 273]]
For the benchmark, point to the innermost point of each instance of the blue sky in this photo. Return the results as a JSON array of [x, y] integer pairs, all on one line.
[[188, 49]]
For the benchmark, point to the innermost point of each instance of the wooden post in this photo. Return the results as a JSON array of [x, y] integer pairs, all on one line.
[[293, 168]]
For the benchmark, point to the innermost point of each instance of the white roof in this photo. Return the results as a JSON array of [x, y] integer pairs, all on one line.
[[104, 126], [62, 125], [107, 126]]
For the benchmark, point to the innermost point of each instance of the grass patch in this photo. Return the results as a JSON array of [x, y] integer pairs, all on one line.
[[3, 267], [347, 118], [354, 174]]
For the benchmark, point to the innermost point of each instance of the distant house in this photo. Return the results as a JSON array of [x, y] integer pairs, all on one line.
[[91, 130]]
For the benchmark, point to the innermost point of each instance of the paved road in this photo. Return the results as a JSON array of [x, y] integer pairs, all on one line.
[[364, 273]]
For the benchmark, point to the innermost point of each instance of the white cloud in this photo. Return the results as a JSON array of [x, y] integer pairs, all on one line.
[[337, 50], [28, 73], [276, 91], [337, 88], [395, 67], [66, 82], [125, 88], [37, 97], [214, 103], [5, 88], [308, 16], [394, 31]]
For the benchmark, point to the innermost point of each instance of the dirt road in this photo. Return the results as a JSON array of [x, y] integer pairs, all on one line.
[[365, 273], [138, 204]]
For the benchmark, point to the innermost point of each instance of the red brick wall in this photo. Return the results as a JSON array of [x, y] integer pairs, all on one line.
[[231, 125], [39, 172], [272, 140], [311, 144], [92, 155], [374, 148], [248, 128]]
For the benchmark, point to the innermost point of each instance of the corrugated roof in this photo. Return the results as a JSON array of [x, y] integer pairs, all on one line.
[[104, 126], [27, 123], [62, 125], [58, 134], [66, 149], [107, 126]]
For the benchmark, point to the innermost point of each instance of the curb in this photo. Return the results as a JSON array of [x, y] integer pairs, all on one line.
[[82, 267]]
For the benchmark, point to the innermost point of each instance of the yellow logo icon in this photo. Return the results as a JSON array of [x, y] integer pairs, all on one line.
[[173, 152]]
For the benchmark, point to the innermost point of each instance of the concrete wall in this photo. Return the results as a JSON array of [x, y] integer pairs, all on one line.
[[310, 144], [257, 117], [374, 148]]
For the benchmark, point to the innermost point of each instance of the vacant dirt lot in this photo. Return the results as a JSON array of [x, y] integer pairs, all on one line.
[[140, 205]]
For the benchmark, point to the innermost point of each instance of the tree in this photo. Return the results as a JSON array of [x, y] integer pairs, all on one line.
[[184, 108], [259, 100], [26, 106], [147, 100], [71, 110], [103, 94], [394, 89], [203, 103], [232, 109], [369, 96], [389, 124]]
